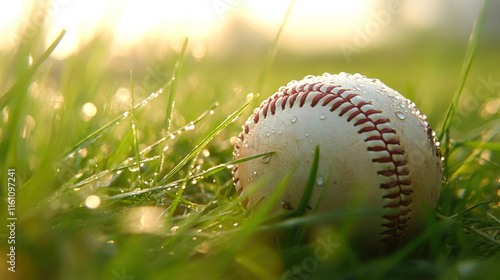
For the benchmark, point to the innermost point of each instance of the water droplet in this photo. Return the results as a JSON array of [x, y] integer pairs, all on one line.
[[401, 115], [311, 141], [255, 173], [322, 117], [268, 134], [320, 181], [266, 158], [294, 119], [307, 134], [174, 228], [279, 131], [133, 168], [191, 126]]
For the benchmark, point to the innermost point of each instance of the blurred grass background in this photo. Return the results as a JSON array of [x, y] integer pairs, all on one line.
[[46, 111]]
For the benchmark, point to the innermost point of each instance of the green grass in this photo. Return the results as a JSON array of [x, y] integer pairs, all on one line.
[[165, 155]]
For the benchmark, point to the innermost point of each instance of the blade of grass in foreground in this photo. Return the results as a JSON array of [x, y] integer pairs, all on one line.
[[469, 57], [173, 88], [179, 193], [205, 141], [134, 129], [295, 235], [170, 104]]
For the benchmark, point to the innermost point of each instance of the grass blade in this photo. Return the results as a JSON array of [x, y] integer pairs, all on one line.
[[173, 88], [491, 146], [134, 129], [295, 235], [179, 193], [170, 104], [469, 57], [478, 149], [205, 141]]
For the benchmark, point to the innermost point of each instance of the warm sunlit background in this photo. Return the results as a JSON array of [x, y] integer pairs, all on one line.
[[313, 24]]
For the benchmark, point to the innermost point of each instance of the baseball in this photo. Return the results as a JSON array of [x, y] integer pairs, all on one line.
[[377, 152]]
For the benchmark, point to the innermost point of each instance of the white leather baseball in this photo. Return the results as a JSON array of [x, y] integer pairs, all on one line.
[[376, 152]]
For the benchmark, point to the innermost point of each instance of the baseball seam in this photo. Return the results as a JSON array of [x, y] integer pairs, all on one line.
[[381, 138]]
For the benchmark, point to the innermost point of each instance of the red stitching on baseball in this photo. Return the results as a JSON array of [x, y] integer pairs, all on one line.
[[292, 99], [337, 104], [396, 224], [346, 109], [303, 98], [353, 115], [283, 102], [317, 98]]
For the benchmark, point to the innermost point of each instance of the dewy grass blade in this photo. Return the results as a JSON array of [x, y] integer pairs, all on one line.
[[29, 74], [96, 134], [182, 129], [179, 193], [173, 88], [205, 141], [469, 57], [134, 129], [218, 168], [170, 104]]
